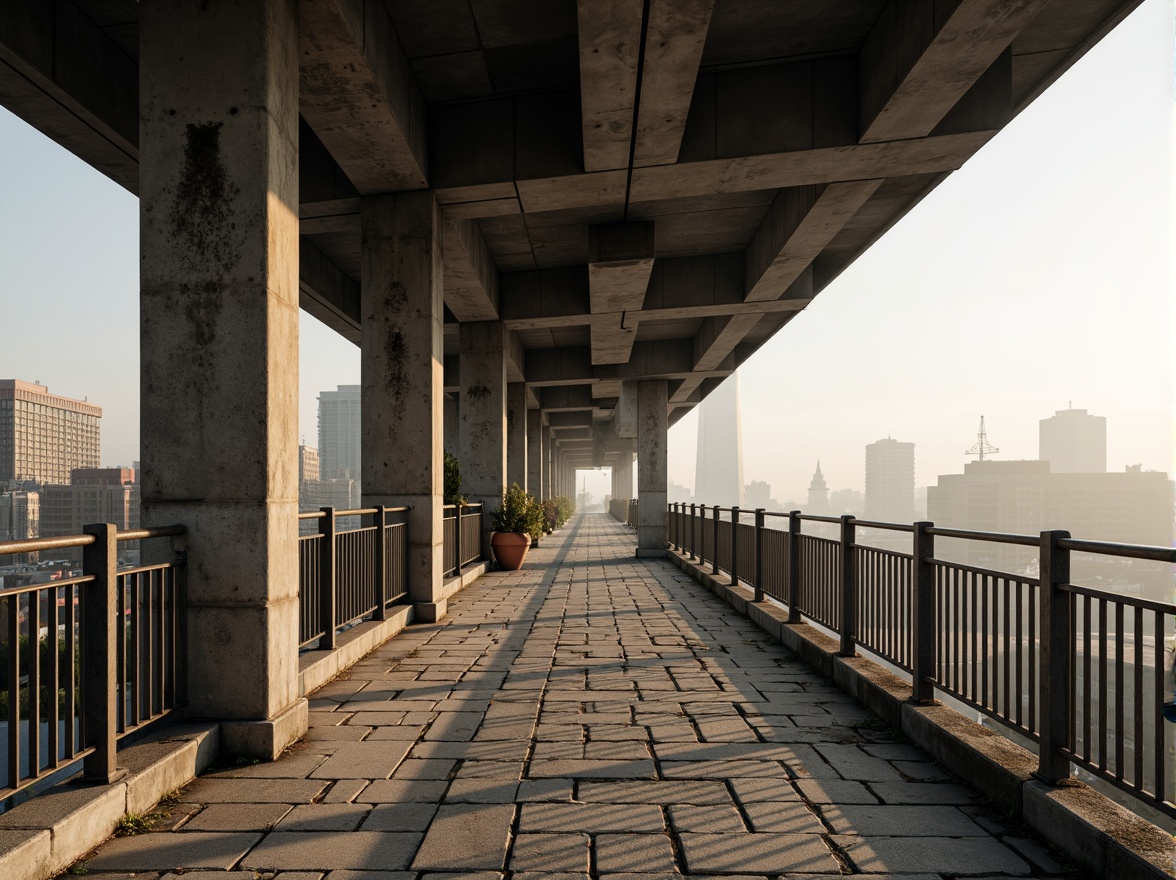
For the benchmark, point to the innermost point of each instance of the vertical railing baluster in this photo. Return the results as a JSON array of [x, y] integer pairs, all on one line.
[[100, 634], [13, 689], [734, 546], [1056, 695], [794, 566], [327, 579], [759, 554], [53, 678], [715, 542], [693, 543], [848, 588], [381, 564], [923, 615]]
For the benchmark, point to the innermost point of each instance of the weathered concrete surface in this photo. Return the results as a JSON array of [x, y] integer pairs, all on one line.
[[591, 709], [219, 308], [483, 418], [652, 452], [536, 454], [402, 353], [516, 433]]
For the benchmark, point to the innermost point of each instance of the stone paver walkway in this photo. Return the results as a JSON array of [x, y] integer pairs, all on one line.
[[591, 715]]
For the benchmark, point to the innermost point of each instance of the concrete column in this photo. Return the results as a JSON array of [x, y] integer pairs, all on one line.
[[402, 397], [218, 224], [624, 473], [535, 453], [550, 481], [652, 425], [452, 424], [483, 417], [516, 434]]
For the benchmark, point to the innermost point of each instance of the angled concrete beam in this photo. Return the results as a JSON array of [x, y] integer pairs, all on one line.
[[799, 225], [919, 60], [471, 278], [610, 43], [620, 260], [358, 94], [327, 292], [674, 42], [717, 338], [65, 77], [516, 357]]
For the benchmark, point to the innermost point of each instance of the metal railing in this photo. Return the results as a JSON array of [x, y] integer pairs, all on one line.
[[1078, 672], [89, 659], [462, 532], [624, 510], [348, 575]]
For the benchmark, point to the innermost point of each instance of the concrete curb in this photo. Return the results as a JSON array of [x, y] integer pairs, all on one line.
[[45, 835], [1099, 835], [316, 668]]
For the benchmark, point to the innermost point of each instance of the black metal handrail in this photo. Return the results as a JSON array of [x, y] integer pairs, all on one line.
[[461, 536], [1076, 670], [349, 575], [111, 661]]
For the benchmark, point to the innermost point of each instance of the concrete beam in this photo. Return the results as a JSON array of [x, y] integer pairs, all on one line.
[[679, 288], [579, 419], [800, 224], [675, 38], [920, 59], [327, 292], [565, 398], [620, 260], [65, 77], [610, 44], [471, 278], [358, 94]]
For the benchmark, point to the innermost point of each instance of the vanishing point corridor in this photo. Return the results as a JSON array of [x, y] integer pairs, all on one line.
[[590, 715]]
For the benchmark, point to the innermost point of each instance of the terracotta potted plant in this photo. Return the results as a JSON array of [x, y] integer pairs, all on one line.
[[517, 521]]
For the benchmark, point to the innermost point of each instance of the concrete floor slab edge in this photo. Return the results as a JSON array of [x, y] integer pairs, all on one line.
[[68, 821], [1103, 838]]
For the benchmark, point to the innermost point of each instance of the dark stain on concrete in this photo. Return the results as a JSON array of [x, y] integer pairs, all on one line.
[[478, 391]]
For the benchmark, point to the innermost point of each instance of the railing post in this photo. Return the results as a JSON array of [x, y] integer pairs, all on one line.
[[1056, 682], [734, 546], [794, 566], [456, 536], [923, 641], [715, 542], [848, 588], [381, 565], [327, 579], [759, 554], [674, 535], [693, 544], [102, 700]]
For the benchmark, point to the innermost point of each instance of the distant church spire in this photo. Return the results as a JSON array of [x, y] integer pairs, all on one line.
[[818, 494]]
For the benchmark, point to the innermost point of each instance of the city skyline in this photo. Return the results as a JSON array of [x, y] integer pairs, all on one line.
[[1065, 212]]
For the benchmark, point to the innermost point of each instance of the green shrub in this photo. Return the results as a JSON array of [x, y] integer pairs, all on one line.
[[557, 511], [451, 489], [519, 512]]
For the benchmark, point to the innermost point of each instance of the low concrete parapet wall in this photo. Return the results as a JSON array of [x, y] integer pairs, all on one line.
[[1101, 837]]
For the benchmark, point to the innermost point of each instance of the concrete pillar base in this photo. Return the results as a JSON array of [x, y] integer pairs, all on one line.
[[646, 553], [430, 612], [266, 739]]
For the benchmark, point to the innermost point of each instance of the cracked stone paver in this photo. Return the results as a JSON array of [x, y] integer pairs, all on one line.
[[591, 716]]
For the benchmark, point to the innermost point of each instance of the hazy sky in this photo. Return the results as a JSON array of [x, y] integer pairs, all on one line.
[[1039, 274]]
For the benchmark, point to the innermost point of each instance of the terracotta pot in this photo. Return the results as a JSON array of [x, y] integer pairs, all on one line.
[[510, 549]]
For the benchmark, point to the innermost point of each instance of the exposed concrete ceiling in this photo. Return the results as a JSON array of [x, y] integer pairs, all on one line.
[[637, 188]]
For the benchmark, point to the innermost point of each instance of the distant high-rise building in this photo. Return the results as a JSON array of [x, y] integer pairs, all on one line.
[[20, 516], [757, 494], [94, 495], [1133, 506], [308, 464], [890, 481], [339, 433], [718, 467], [44, 436], [818, 494], [1074, 442]]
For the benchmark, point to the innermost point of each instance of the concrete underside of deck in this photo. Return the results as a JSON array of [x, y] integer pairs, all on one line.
[[591, 715]]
